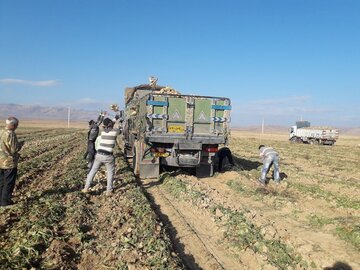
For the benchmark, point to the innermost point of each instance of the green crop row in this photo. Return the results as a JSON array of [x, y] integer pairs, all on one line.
[[56, 224]]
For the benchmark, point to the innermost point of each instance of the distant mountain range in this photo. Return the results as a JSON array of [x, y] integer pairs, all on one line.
[[32, 112], [35, 112]]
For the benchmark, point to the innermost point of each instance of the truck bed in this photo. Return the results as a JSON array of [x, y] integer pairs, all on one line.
[[318, 132], [171, 118]]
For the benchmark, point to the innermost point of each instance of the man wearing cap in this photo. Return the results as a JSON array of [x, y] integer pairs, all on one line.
[[9, 156], [104, 155], [269, 156]]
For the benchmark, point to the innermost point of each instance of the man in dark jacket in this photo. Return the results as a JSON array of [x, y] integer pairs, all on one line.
[[93, 133]]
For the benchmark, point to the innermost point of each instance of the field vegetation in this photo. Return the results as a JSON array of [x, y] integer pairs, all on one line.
[[308, 221], [55, 226]]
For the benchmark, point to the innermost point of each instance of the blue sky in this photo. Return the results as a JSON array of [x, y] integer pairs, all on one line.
[[278, 60]]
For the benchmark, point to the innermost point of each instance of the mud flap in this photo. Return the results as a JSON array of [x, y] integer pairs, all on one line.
[[149, 169], [204, 170]]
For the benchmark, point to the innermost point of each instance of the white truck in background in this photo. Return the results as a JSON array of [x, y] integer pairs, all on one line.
[[303, 133]]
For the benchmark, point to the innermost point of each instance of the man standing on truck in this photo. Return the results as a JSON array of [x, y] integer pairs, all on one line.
[[269, 157], [104, 155], [92, 135], [9, 157]]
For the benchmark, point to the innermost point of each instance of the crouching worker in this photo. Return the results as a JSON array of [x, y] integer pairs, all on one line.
[[9, 157], [104, 155], [269, 157]]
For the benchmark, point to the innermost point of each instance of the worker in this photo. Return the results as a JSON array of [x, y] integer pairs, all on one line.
[[269, 156], [104, 154], [9, 157], [92, 135]]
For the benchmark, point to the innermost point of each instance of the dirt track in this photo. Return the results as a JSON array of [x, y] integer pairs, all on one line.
[[194, 234]]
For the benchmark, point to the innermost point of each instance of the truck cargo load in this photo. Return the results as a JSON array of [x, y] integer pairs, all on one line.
[[165, 128]]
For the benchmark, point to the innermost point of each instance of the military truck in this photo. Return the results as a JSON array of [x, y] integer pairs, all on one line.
[[302, 132], [162, 127]]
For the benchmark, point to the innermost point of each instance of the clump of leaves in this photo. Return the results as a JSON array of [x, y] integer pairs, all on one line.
[[350, 234], [318, 221]]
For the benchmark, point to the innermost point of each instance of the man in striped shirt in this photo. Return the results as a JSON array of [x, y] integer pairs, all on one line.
[[269, 157], [104, 155]]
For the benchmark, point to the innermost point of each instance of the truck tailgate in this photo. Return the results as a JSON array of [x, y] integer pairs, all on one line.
[[175, 115]]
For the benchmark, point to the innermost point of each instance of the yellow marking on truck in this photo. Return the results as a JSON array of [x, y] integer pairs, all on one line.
[[176, 129], [161, 154]]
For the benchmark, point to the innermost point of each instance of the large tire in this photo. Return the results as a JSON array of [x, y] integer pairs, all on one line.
[[222, 158]]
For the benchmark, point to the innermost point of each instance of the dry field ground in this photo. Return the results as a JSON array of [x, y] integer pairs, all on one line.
[[309, 221], [55, 226], [52, 124]]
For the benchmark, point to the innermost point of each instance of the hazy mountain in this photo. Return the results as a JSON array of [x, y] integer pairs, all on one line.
[[35, 112], [44, 113]]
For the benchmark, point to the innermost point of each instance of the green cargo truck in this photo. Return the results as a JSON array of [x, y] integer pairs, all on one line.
[[161, 127]]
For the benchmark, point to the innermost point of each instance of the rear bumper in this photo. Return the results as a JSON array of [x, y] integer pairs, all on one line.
[[189, 160], [184, 140]]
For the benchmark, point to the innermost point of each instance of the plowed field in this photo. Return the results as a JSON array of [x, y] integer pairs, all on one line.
[[311, 220], [55, 226]]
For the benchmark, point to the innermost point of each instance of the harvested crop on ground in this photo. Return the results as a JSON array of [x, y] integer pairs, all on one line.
[[55, 226], [308, 221]]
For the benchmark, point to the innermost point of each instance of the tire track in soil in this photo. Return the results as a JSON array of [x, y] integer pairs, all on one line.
[[194, 234]]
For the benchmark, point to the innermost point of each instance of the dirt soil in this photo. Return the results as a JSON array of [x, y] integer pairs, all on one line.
[[53, 225], [312, 216], [311, 220]]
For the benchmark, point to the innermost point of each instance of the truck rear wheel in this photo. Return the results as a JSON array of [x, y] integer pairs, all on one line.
[[223, 158]]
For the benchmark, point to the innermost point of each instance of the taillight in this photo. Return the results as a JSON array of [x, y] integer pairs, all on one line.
[[158, 150], [211, 149]]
